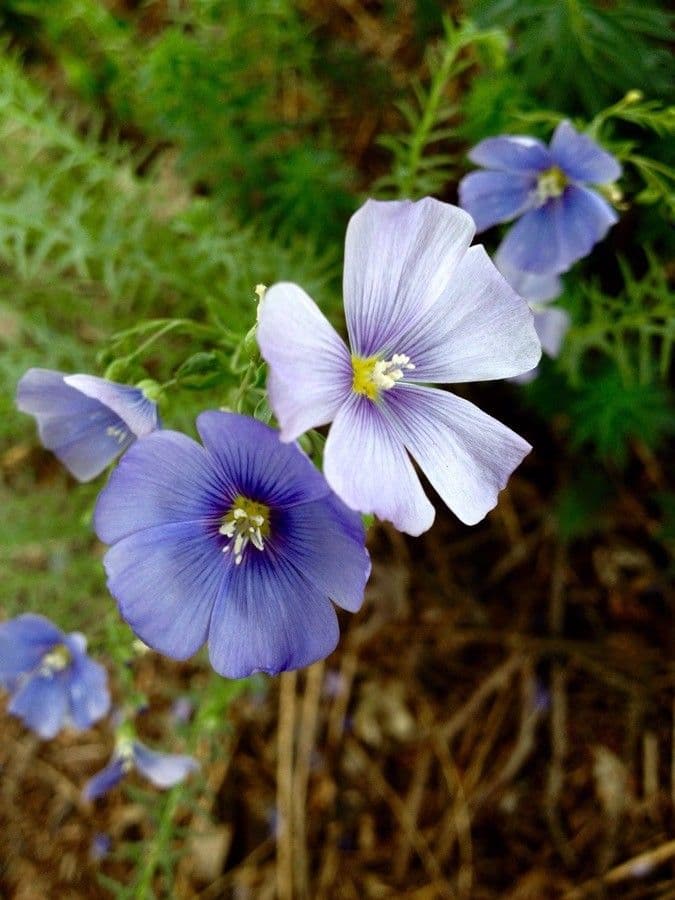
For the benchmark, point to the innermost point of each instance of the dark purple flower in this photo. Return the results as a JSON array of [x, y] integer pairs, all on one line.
[[239, 542], [162, 769], [421, 307], [546, 189], [85, 421], [52, 680]]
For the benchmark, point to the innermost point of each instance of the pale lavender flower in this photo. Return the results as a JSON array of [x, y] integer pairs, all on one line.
[[560, 218], [162, 769], [421, 307], [84, 420], [52, 680]]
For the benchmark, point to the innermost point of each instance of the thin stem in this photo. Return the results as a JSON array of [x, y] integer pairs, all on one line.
[[285, 735]]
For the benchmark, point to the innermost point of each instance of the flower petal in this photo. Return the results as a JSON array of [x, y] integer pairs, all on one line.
[[512, 153], [249, 456], [165, 478], [467, 455], [367, 467], [581, 158], [129, 403], [479, 329], [88, 691], [310, 371], [534, 288], [23, 642], [493, 197], [325, 542], [269, 618], [104, 780], [584, 218], [533, 243], [398, 258], [162, 769], [552, 325], [41, 702], [165, 580]]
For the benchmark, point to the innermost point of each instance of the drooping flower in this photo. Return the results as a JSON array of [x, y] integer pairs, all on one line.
[[84, 420], [162, 769], [52, 680], [560, 218], [421, 307], [239, 542]]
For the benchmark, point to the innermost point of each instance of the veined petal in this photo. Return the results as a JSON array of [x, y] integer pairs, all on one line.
[[512, 153], [479, 329], [367, 467], [104, 780], [583, 219], [249, 456], [533, 243], [23, 642], [166, 580], [398, 258], [41, 702], [269, 618], [492, 197], [325, 543], [165, 478], [534, 288], [467, 455], [310, 370], [162, 769], [129, 403], [581, 158], [552, 325]]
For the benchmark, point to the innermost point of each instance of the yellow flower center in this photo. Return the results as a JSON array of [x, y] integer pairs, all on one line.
[[551, 183], [57, 659], [247, 522], [373, 375]]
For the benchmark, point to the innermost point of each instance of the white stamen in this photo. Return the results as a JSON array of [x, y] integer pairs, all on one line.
[[244, 526], [118, 432], [386, 372], [56, 660]]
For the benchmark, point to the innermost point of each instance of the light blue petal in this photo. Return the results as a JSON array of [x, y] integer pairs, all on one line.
[[583, 219], [532, 244], [493, 197], [581, 158], [162, 769], [534, 288], [552, 325], [104, 780], [129, 403], [42, 703], [269, 618], [512, 153], [467, 455], [166, 580], [368, 468], [88, 691], [23, 642]]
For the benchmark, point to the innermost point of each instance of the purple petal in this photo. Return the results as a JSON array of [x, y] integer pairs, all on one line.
[[399, 256], [162, 769], [533, 242], [479, 329], [325, 542], [163, 479], [88, 690], [512, 153], [42, 703], [249, 456], [165, 581], [493, 197], [581, 158], [129, 403], [23, 643], [367, 467], [534, 288], [467, 455], [269, 618], [552, 325], [584, 218], [104, 780], [310, 371]]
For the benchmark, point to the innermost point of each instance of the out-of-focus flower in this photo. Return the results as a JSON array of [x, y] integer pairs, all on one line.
[[182, 709], [239, 542], [162, 769], [85, 421], [52, 680], [421, 307], [560, 218], [100, 846]]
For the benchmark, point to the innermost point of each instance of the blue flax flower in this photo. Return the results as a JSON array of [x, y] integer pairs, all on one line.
[[421, 307], [162, 769], [85, 421], [239, 542], [52, 681], [560, 218]]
